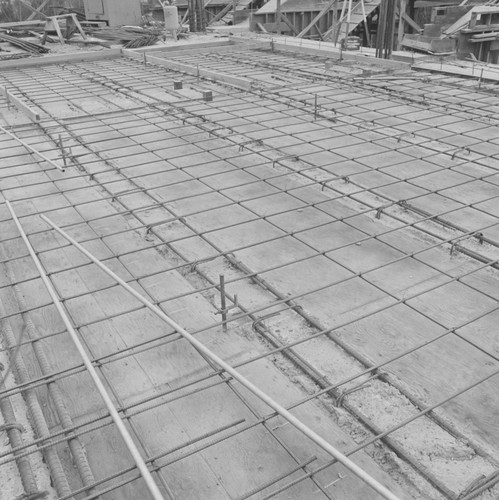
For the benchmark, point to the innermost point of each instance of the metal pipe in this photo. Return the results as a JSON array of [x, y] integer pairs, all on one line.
[[139, 461], [358, 471], [32, 149]]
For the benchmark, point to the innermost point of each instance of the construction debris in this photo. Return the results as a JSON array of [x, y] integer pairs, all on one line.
[[128, 34], [32, 48], [142, 41]]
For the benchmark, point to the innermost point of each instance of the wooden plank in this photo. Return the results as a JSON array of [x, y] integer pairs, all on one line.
[[20, 105], [61, 59], [132, 54], [335, 53], [243, 83], [174, 65], [180, 48], [228, 79], [401, 26], [19, 24]]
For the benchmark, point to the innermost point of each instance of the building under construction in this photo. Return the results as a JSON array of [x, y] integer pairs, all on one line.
[[247, 267]]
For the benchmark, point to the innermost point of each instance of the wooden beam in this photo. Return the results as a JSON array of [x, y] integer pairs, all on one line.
[[261, 27], [17, 24], [20, 105], [411, 22], [317, 18], [68, 58], [290, 25], [42, 6], [278, 16], [400, 35], [221, 14], [235, 81], [366, 27]]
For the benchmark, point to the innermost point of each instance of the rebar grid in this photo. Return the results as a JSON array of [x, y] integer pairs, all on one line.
[[442, 189], [259, 272]]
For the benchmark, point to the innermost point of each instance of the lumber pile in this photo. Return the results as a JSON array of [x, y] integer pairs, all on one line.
[[32, 48], [128, 34]]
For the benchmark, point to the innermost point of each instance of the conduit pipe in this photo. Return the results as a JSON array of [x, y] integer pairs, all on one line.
[[137, 457], [32, 149], [298, 424]]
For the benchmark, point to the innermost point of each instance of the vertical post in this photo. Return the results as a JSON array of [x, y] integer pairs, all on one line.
[[335, 20], [315, 108], [392, 33], [480, 79], [202, 24], [234, 5], [63, 152], [366, 27], [191, 8], [402, 10], [278, 17], [340, 23], [349, 18], [223, 303]]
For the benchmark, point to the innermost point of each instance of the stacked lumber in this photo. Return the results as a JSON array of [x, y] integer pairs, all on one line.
[[127, 34], [32, 48], [143, 41]]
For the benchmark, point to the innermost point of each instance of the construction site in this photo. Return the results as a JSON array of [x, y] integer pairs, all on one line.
[[249, 250]]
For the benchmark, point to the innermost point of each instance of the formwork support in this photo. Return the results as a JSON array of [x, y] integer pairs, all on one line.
[[139, 461], [317, 18], [200, 347]]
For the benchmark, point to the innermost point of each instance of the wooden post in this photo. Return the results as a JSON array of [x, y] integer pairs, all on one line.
[[366, 27], [349, 16], [335, 20], [340, 22], [402, 10], [278, 17]]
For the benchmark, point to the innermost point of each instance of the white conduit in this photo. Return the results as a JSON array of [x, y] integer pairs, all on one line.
[[137, 457], [32, 149], [340, 457]]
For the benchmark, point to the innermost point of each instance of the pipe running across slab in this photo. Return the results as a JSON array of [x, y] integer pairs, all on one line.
[[298, 424], [32, 150], [137, 457]]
